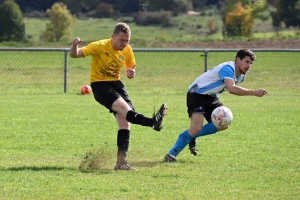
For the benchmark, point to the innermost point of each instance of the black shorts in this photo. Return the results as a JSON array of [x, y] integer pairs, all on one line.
[[107, 92], [202, 104]]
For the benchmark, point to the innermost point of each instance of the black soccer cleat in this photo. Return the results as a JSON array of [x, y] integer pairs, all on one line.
[[169, 158], [192, 147], [158, 117]]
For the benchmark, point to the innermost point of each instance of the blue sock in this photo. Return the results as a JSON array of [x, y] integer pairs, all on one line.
[[183, 139], [207, 129]]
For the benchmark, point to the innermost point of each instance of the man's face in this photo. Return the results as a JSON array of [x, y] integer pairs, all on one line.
[[120, 41], [244, 65]]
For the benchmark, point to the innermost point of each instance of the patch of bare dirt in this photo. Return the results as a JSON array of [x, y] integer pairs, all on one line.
[[255, 44]]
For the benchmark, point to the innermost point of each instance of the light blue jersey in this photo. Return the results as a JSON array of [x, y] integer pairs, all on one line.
[[212, 82]]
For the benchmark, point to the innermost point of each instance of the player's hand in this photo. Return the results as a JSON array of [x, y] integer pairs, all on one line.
[[76, 41], [261, 92], [131, 72]]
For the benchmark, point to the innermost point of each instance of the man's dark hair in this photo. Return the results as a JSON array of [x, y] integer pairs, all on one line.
[[242, 53], [122, 27]]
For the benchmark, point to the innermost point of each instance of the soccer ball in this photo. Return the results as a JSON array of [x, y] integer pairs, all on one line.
[[221, 116], [86, 89]]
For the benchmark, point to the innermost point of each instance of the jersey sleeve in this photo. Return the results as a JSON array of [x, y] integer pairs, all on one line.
[[226, 72], [90, 49], [130, 62]]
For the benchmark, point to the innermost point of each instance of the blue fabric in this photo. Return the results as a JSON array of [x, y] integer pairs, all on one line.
[[206, 88], [207, 129], [226, 72], [212, 84], [183, 139]]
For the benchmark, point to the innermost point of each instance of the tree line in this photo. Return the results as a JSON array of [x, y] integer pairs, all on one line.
[[237, 15], [122, 6]]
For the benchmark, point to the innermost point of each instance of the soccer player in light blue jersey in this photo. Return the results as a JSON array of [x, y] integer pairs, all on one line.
[[203, 98]]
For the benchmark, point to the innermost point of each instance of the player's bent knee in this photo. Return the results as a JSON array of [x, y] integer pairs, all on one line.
[[194, 130]]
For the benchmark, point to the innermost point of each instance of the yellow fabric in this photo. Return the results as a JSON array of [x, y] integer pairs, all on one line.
[[106, 62]]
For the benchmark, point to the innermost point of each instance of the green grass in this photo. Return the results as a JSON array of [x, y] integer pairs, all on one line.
[[45, 139], [186, 29], [157, 72], [46, 134]]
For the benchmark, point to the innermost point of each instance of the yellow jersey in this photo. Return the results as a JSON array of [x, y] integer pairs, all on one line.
[[106, 62]]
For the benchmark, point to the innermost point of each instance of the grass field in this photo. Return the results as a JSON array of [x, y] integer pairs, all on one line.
[[185, 29], [46, 134], [45, 139]]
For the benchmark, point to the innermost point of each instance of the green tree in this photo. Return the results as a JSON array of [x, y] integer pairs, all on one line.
[[157, 5], [81, 6], [60, 26], [288, 12], [104, 10], [199, 4], [11, 22], [126, 6], [182, 6], [175, 6], [38, 5]]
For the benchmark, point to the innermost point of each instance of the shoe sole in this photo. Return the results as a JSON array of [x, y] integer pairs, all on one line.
[[124, 168], [164, 113], [169, 159]]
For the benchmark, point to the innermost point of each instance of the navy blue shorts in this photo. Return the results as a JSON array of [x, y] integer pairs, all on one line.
[[107, 92], [202, 104]]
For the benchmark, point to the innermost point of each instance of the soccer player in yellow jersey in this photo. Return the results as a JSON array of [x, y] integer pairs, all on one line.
[[108, 57]]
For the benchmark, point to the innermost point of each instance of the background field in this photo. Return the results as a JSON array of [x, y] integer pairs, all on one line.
[[185, 29], [46, 134], [158, 72]]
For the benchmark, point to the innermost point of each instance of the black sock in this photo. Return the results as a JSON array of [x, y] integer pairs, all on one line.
[[123, 145], [123, 140], [136, 118]]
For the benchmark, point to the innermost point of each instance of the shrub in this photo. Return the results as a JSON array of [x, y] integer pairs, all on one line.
[[11, 22], [212, 26], [104, 10], [60, 25], [163, 18]]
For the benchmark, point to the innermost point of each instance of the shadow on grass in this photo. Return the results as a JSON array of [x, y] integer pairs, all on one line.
[[53, 168], [145, 163], [35, 168], [98, 171], [158, 163]]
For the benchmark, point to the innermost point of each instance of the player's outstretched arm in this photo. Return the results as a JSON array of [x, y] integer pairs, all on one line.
[[261, 92], [237, 90]]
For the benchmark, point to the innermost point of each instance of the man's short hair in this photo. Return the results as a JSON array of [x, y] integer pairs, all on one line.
[[122, 27], [242, 53]]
